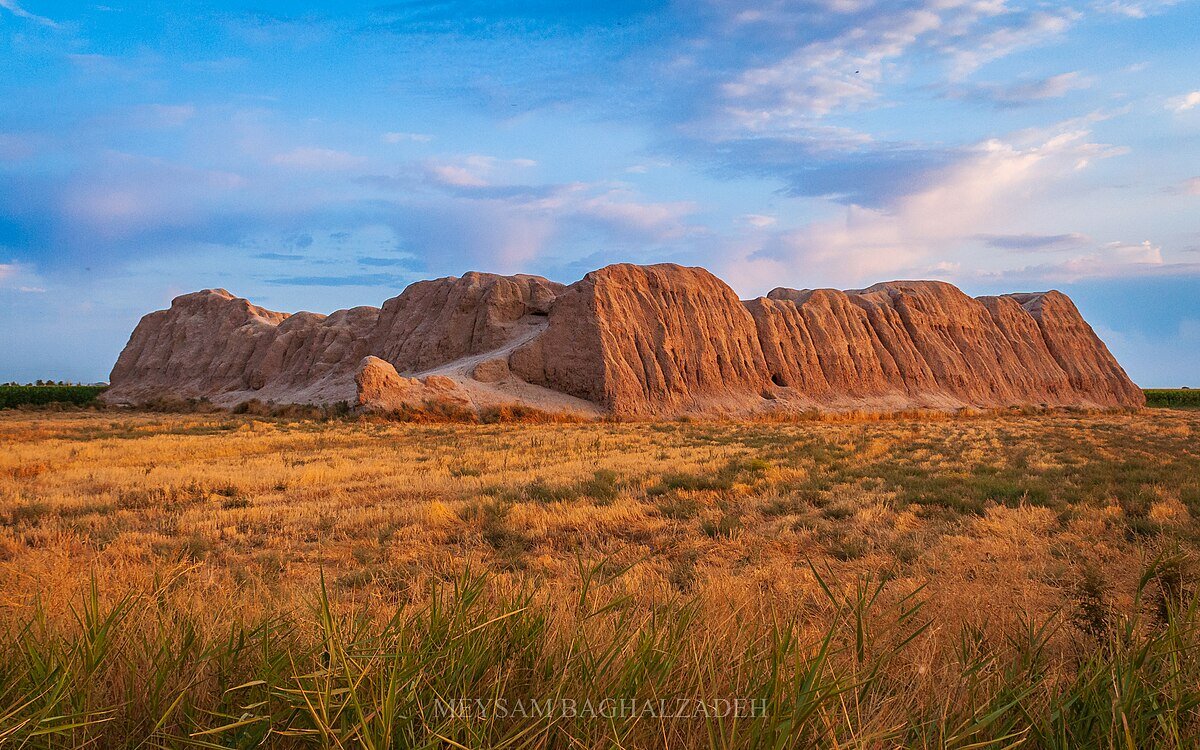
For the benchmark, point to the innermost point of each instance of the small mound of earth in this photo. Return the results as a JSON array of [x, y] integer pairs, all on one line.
[[492, 370]]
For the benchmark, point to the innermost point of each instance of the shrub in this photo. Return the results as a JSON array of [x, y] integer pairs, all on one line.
[[43, 395], [1173, 398], [724, 527]]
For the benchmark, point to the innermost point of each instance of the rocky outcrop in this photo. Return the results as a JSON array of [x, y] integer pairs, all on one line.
[[207, 342], [213, 345], [1089, 367], [820, 344], [631, 340], [434, 322], [925, 343], [647, 340], [312, 358], [380, 387]]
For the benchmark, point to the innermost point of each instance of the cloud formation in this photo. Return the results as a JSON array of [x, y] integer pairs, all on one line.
[[815, 142], [12, 7], [1134, 8], [1114, 259], [858, 48], [930, 230], [407, 137], [1184, 102], [1034, 242], [1023, 93], [472, 171]]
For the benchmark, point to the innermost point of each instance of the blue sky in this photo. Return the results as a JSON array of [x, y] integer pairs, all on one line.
[[322, 155]]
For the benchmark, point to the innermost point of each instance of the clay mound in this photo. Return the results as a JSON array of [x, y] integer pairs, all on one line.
[[381, 388], [434, 322], [214, 345], [950, 344], [208, 341], [631, 340], [312, 357], [927, 343], [1090, 368], [820, 344], [648, 340]]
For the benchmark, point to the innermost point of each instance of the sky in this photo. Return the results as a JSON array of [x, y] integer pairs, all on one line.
[[321, 155]]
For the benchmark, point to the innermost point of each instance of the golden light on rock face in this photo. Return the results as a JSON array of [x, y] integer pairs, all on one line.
[[631, 341]]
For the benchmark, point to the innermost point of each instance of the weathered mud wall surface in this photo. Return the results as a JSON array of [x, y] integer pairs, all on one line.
[[632, 340]]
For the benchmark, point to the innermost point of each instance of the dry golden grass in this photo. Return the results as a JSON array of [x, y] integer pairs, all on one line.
[[1000, 510], [996, 521]]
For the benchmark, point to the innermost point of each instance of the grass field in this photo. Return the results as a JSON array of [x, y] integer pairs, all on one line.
[[233, 581], [41, 395]]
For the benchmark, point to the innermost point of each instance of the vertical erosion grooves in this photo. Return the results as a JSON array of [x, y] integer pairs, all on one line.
[[641, 341]]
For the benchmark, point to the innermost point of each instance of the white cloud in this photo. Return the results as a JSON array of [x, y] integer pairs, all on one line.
[[219, 65], [1184, 102], [123, 194], [473, 171], [1142, 252], [971, 52], [456, 176], [1023, 92], [930, 231], [12, 7], [1108, 261], [824, 76], [318, 159], [1134, 8], [845, 72], [646, 167], [1026, 242], [1054, 87], [132, 68], [477, 210], [618, 209], [1190, 186], [406, 138], [757, 220], [20, 277]]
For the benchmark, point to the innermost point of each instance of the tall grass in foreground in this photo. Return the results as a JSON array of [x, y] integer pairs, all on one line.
[[137, 672]]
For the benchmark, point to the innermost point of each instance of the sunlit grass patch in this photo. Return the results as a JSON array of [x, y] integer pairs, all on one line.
[[632, 558]]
